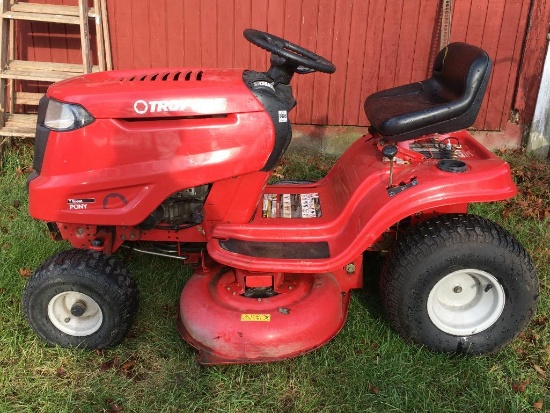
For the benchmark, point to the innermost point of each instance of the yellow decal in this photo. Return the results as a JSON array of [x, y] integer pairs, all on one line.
[[255, 317]]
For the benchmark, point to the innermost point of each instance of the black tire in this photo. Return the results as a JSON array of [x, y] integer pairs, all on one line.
[[102, 295], [434, 257]]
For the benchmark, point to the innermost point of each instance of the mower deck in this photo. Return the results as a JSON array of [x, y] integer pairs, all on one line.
[[227, 327]]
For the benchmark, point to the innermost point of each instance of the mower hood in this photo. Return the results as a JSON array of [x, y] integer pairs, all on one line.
[[158, 93]]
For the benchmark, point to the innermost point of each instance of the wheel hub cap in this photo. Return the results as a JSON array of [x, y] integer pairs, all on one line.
[[75, 314], [466, 302]]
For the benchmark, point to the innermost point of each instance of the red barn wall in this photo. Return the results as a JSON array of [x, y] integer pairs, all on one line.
[[375, 44]]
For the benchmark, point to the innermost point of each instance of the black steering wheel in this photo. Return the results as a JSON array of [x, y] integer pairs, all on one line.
[[303, 60]]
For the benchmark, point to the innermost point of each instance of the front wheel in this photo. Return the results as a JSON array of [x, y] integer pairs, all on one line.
[[459, 284], [81, 298]]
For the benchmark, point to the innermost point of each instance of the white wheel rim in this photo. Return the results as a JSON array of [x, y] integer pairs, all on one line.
[[466, 302], [59, 313]]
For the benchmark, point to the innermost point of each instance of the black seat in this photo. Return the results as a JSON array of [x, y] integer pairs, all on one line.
[[448, 101]]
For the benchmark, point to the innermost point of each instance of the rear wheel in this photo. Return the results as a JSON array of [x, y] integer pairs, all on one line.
[[459, 283], [81, 298]]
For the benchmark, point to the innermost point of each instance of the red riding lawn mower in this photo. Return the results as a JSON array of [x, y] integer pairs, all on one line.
[[176, 162]]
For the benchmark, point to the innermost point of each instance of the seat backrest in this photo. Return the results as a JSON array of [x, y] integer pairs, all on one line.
[[448, 101], [462, 69]]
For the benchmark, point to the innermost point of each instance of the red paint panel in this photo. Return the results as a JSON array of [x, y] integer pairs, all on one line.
[[208, 33], [490, 43], [293, 12], [340, 57], [352, 97], [474, 35], [308, 39], [426, 24], [275, 21], [122, 35], [531, 68], [258, 57], [192, 38], [461, 17], [225, 39], [506, 58], [407, 41], [390, 43], [140, 35], [373, 51], [242, 21], [293, 18], [157, 33], [515, 76], [325, 23], [476, 23], [174, 33]]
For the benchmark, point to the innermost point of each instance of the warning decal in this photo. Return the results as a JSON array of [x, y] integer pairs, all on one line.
[[291, 206], [256, 317]]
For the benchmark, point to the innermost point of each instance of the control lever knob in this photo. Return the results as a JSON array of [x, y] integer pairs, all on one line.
[[389, 151]]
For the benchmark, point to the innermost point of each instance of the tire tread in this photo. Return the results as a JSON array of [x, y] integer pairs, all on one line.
[[96, 267], [442, 231]]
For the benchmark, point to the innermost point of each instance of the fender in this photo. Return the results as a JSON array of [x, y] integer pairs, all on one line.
[[356, 207]]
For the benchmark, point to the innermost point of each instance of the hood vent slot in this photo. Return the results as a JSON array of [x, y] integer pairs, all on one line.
[[166, 77]]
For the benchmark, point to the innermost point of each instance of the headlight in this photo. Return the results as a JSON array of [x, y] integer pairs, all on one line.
[[66, 116]]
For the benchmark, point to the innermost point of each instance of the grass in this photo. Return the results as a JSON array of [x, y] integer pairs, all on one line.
[[366, 368]]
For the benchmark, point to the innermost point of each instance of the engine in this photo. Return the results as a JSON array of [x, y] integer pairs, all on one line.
[[180, 210]]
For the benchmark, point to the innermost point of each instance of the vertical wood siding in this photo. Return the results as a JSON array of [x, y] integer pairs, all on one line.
[[375, 44], [535, 47], [499, 27]]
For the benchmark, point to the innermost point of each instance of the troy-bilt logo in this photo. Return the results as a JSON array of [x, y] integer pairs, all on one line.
[[214, 105], [79, 203]]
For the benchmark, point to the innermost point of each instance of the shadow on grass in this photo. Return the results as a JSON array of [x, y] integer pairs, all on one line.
[[369, 295]]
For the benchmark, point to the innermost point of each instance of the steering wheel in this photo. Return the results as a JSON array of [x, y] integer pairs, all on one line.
[[303, 60]]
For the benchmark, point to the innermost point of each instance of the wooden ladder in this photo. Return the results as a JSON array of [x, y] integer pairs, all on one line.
[[24, 125]]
